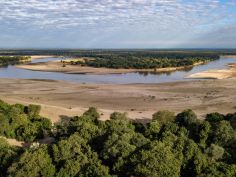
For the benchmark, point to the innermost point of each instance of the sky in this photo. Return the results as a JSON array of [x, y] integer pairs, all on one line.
[[117, 24]]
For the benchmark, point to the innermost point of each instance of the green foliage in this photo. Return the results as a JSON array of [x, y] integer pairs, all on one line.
[[204, 132], [75, 158], [153, 129], [156, 160], [12, 60], [32, 110], [214, 117], [23, 122], [7, 154], [215, 152], [143, 60], [232, 119], [163, 116], [219, 169], [34, 163], [92, 113], [223, 133], [186, 118], [84, 146]]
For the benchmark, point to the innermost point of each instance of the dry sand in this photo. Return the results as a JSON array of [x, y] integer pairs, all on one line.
[[57, 66], [62, 99], [33, 57], [216, 74]]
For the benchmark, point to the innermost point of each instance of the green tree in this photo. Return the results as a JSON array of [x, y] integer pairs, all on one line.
[[214, 117], [186, 118], [223, 133], [204, 133], [7, 155], [32, 110], [215, 152], [75, 158], [163, 116], [156, 159], [34, 163]]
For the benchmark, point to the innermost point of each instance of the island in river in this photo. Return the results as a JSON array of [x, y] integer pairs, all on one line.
[[61, 98], [59, 66]]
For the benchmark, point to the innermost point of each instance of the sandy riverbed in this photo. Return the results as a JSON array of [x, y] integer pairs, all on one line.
[[57, 66], [33, 57], [216, 73], [61, 99]]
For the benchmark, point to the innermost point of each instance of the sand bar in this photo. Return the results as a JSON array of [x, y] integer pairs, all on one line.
[[57, 66], [33, 57], [216, 74]]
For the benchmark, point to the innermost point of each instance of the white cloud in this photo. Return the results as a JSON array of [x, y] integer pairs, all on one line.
[[89, 13]]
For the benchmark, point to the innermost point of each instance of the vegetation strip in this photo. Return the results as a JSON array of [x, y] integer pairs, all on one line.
[[12, 60], [169, 145]]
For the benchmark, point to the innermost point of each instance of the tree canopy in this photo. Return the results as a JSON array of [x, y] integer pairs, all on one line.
[[168, 145]]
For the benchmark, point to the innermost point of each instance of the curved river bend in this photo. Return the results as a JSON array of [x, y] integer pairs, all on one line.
[[13, 72]]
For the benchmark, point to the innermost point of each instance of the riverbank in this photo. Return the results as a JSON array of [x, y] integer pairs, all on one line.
[[58, 66], [60, 99], [216, 74]]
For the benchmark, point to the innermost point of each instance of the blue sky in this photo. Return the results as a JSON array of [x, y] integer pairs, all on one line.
[[118, 24]]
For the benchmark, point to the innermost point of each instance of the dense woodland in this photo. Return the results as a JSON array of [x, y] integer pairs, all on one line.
[[148, 61], [12, 60], [169, 145], [93, 52], [137, 59]]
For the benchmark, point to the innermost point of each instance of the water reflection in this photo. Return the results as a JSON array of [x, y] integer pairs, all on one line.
[[167, 73], [137, 77]]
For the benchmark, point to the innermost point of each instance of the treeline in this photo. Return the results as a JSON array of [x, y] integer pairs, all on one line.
[[12, 60], [169, 145], [89, 52], [144, 61], [128, 59]]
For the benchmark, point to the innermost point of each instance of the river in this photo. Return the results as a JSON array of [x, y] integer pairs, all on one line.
[[14, 72]]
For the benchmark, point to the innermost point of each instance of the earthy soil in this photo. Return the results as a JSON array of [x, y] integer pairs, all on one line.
[[62, 99]]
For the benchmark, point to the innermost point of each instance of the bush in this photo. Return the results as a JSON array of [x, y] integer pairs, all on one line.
[[186, 118], [163, 116], [214, 117]]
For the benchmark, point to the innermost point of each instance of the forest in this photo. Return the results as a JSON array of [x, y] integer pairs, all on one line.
[[128, 59], [168, 145], [96, 52], [12, 60], [148, 61]]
